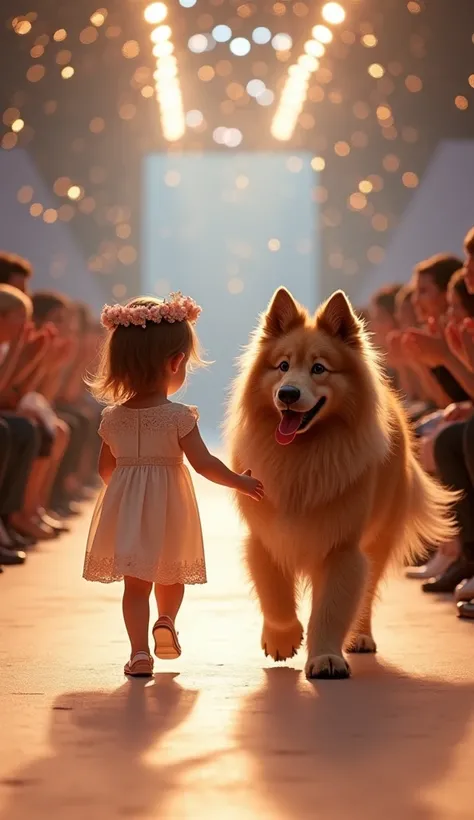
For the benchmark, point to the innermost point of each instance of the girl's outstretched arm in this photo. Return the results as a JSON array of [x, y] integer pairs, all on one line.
[[214, 470]]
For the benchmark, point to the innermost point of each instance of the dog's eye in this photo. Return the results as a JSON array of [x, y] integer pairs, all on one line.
[[317, 369], [284, 366]]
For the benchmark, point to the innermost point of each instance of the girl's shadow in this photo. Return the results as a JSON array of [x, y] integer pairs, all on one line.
[[360, 749], [97, 767]]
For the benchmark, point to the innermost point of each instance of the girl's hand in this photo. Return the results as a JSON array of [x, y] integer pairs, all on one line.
[[251, 486]]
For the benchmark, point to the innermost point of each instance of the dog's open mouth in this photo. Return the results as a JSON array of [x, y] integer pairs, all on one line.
[[293, 422]]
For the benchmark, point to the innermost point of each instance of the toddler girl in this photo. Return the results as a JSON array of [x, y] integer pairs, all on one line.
[[146, 528]]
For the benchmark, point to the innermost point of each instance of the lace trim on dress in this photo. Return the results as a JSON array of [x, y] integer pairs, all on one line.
[[149, 461], [107, 570]]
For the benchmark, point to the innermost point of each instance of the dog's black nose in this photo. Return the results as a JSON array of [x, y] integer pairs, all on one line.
[[288, 394]]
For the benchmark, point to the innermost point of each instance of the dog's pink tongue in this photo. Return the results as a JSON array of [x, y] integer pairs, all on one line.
[[288, 427]]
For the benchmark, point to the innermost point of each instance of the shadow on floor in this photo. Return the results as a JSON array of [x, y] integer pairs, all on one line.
[[97, 769], [363, 749]]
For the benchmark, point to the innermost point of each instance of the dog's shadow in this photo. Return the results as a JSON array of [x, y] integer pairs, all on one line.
[[362, 749]]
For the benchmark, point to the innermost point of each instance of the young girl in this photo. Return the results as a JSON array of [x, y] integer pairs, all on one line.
[[146, 528]]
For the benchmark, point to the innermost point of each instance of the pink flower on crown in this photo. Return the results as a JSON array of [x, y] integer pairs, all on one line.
[[176, 308]]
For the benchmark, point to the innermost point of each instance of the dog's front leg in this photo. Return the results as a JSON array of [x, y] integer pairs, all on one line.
[[282, 632], [337, 591]]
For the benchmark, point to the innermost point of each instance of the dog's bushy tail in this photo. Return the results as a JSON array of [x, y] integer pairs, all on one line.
[[431, 519]]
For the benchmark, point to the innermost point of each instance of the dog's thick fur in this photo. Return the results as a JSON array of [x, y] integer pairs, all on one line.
[[345, 496]]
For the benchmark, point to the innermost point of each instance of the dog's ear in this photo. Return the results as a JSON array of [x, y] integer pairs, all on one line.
[[337, 318], [283, 314]]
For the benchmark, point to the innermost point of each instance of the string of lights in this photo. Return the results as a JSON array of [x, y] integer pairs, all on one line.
[[168, 89], [295, 89]]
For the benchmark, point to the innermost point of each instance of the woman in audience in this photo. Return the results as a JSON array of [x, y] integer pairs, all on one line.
[[51, 308], [15, 271], [430, 300], [19, 439], [438, 346]]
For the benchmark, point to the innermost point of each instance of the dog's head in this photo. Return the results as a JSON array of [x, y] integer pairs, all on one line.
[[310, 369]]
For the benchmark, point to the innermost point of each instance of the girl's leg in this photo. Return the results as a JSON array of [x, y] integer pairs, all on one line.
[[169, 599], [136, 613]]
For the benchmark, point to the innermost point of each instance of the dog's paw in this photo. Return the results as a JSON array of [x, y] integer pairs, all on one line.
[[282, 644], [362, 644], [327, 666]]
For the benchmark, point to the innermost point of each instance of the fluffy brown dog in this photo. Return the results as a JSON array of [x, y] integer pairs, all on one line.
[[314, 418]]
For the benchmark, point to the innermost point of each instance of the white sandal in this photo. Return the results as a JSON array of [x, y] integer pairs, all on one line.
[[166, 639], [139, 666]]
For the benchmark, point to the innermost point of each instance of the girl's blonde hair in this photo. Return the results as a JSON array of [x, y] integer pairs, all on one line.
[[133, 358], [13, 299]]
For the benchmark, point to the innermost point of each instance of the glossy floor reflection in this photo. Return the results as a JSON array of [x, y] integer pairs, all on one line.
[[222, 732]]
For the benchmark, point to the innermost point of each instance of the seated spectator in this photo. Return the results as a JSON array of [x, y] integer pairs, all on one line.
[[382, 314], [64, 391], [430, 300], [19, 439], [48, 423], [469, 261], [454, 458], [440, 346], [448, 341], [74, 394], [391, 311], [417, 401], [405, 314], [15, 271]]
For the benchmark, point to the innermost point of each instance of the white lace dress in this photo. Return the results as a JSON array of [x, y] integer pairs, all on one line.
[[146, 522]]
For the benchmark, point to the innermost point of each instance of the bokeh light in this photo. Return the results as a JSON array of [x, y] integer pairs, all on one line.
[[74, 192], [333, 13], [255, 87], [261, 35], [222, 33], [282, 42], [155, 13], [376, 70], [318, 164], [322, 33], [197, 43], [240, 46], [194, 118]]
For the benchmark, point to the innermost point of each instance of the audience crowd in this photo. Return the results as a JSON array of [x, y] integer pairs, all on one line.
[[426, 332], [48, 422], [49, 442]]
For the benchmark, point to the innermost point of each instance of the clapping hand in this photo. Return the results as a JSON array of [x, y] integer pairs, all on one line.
[[429, 348], [460, 339], [458, 411]]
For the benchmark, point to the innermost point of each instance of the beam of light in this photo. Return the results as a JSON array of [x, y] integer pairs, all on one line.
[[294, 92], [166, 75]]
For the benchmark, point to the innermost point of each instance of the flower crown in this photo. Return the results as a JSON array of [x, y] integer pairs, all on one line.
[[176, 308]]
